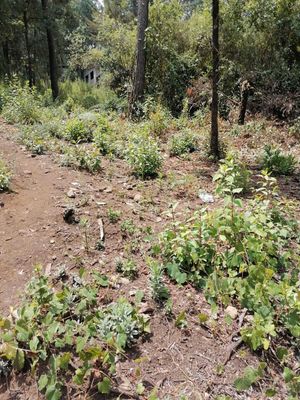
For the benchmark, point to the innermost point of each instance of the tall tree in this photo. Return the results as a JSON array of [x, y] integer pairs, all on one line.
[[51, 50], [27, 44], [140, 63], [214, 139]]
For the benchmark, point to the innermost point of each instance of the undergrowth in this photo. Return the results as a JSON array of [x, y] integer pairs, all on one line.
[[5, 176], [62, 333]]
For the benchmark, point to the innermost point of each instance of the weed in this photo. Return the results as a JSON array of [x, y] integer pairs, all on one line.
[[126, 267], [82, 158], [143, 155], [113, 215], [128, 228], [232, 177], [182, 143], [57, 328], [159, 290], [77, 130], [294, 130], [278, 163], [5, 176]]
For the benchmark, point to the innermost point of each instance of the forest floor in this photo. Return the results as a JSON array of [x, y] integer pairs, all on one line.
[[180, 362]]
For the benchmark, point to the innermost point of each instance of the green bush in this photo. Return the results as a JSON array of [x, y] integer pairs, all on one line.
[[143, 155], [182, 143], [126, 267], [81, 158], [232, 176], [104, 136], [77, 130], [57, 327], [246, 253], [20, 104], [5, 176], [35, 138], [278, 163]]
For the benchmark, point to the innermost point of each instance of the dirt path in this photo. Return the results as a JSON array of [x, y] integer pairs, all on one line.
[[31, 217]]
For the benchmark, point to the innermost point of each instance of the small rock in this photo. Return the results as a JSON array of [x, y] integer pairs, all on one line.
[[71, 194], [108, 189], [124, 281], [137, 197], [206, 197], [232, 312], [27, 172], [52, 241], [146, 309], [48, 269], [1, 204], [101, 188], [77, 184], [54, 258], [69, 216], [100, 203]]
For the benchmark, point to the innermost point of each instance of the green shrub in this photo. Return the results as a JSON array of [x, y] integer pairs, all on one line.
[[232, 176], [21, 104], [35, 138], [126, 267], [143, 155], [59, 327], [182, 143], [5, 176], [159, 120], [278, 163], [77, 130], [243, 253], [81, 158], [113, 215]]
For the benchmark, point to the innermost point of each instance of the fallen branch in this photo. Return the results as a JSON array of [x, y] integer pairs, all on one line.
[[234, 346]]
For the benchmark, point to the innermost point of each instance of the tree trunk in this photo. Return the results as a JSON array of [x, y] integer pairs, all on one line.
[[246, 91], [51, 50], [214, 140], [140, 62], [5, 49], [29, 61]]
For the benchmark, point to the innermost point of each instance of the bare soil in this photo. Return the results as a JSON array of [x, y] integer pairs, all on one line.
[[32, 230]]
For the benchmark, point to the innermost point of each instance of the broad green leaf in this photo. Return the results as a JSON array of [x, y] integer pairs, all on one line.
[[19, 360], [104, 386]]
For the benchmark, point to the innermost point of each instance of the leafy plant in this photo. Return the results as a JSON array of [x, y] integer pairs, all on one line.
[[250, 376], [143, 155], [183, 143], [126, 267], [82, 158], [5, 176], [113, 215], [128, 228], [159, 290], [278, 163], [294, 130], [34, 138], [107, 140], [232, 177], [77, 130], [247, 252], [54, 330]]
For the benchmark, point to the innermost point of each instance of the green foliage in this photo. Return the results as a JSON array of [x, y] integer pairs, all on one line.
[[34, 138], [21, 104], [182, 143], [54, 330], [126, 267], [244, 251], [107, 139], [232, 177], [278, 163], [159, 290], [250, 376], [77, 130], [128, 228], [5, 176], [80, 157], [159, 119], [113, 215], [143, 155]]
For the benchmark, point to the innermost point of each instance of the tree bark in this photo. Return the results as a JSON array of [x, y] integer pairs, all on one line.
[[29, 60], [5, 48], [140, 62], [51, 51], [246, 91], [214, 140]]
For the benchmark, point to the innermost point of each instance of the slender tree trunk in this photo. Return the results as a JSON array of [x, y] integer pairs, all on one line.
[[5, 49], [214, 141], [29, 60], [140, 62], [246, 91], [51, 50]]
